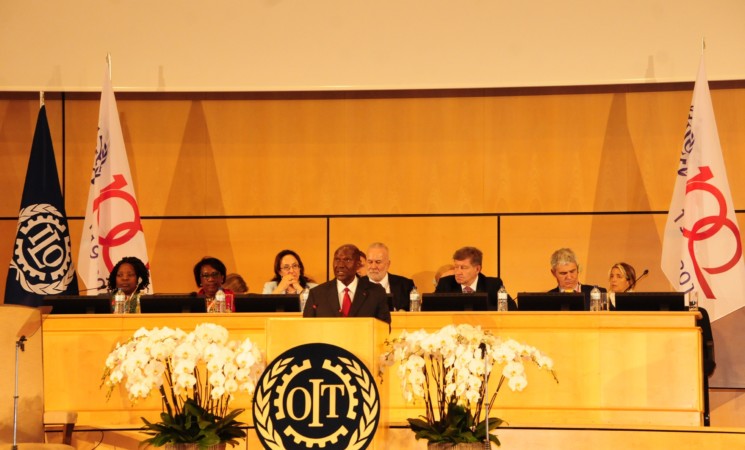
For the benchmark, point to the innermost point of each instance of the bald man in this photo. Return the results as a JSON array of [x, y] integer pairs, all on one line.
[[347, 295]]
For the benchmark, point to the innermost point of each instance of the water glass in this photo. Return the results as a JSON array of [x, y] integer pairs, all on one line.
[[693, 301], [604, 301], [611, 300]]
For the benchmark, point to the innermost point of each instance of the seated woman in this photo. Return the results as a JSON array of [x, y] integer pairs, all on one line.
[[235, 283], [209, 274], [362, 270], [289, 275], [131, 276], [443, 271], [622, 277]]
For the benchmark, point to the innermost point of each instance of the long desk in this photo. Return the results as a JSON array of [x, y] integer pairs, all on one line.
[[614, 368]]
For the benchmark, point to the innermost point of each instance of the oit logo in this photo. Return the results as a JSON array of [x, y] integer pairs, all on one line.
[[316, 396], [41, 256]]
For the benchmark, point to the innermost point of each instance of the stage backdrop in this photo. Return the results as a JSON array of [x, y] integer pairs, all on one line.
[[516, 172], [191, 45]]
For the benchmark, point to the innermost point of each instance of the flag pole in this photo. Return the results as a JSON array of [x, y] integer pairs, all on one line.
[[41, 99], [703, 45], [108, 63]]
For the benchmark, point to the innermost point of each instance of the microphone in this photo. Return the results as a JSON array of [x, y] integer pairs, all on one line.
[[482, 347], [92, 289], [632, 285]]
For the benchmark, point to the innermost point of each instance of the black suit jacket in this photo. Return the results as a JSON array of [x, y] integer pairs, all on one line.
[[586, 289], [400, 289], [490, 285], [369, 300]]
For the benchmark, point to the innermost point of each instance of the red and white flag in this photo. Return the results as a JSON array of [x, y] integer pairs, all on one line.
[[112, 228], [702, 249]]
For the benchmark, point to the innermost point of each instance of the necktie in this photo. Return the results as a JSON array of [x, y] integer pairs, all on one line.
[[468, 290], [346, 304]]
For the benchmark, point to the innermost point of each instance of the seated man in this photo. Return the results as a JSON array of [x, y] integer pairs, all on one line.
[[468, 277], [565, 269], [399, 287], [347, 295]]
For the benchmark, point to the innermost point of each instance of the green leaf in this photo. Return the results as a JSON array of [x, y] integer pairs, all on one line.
[[457, 426]]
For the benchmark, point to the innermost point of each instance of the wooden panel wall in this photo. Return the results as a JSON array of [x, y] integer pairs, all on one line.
[[186, 45], [518, 173]]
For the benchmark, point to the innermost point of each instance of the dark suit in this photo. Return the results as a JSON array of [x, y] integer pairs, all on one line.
[[400, 289], [490, 285], [586, 289], [369, 300]]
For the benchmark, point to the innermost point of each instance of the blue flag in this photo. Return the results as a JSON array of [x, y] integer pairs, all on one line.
[[42, 262]]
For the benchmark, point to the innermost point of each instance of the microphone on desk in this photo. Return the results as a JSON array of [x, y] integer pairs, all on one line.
[[97, 289], [485, 398], [632, 285]]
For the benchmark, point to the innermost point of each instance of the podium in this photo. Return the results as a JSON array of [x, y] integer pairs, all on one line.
[[363, 337]]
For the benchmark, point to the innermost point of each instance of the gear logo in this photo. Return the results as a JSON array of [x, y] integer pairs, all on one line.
[[316, 396], [41, 257]]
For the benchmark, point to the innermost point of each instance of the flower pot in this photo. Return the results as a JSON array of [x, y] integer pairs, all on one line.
[[172, 446], [466, 446]]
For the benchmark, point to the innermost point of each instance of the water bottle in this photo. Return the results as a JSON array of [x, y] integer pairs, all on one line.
[[595, 299], [119, 300], [502, 299], [219, 301], [415, 302], [304, 299]]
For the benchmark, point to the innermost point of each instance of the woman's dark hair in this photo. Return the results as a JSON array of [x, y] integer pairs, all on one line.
[[278, 261], [208, 261], [143, 275]]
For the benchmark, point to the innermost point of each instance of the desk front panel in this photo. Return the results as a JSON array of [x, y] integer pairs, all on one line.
[[613, 368]]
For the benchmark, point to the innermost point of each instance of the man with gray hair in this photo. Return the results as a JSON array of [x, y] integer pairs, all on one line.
[[378, 263], [565, 269]]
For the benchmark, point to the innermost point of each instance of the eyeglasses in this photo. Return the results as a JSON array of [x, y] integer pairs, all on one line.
[[210, 275], [287, 267]]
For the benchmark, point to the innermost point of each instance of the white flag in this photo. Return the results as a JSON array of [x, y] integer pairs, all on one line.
[[112, 228], [702, 250]]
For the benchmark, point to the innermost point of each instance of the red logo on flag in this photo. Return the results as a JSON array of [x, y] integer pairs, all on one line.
[[123, 232], [709, 226]]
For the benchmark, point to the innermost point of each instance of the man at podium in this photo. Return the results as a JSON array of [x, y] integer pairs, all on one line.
[[347, 295]]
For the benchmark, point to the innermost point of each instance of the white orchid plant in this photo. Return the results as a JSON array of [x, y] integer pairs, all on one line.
[[196, 374], [447, 370]]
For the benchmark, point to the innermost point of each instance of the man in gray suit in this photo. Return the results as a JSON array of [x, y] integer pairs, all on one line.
[[346, 295]]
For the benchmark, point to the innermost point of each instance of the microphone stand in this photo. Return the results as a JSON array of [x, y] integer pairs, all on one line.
[[31, 325], [633, 285], [487, 443], [20, 344]]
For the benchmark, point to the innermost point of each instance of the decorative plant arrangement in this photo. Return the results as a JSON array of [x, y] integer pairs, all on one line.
[[447, 369], [196, 374]]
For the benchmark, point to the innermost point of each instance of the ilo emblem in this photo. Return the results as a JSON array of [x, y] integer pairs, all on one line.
[[316, 396], [42, 257]]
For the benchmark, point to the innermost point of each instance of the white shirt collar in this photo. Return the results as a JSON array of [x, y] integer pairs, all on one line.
[[384, 282], [577, 288], [472, 285]]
